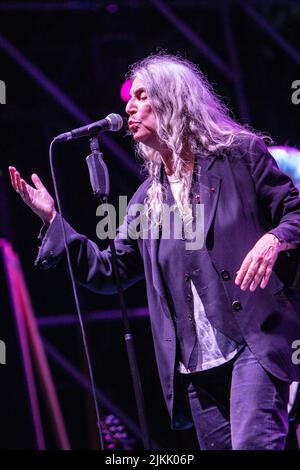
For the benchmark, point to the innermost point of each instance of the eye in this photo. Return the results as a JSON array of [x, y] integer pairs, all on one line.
[[143, 95]]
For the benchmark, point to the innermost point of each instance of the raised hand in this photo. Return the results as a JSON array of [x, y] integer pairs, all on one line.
[[37, 198]]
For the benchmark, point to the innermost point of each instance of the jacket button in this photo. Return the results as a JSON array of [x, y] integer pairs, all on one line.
[[190, 317], [187, 277], [225, 275], [189, 297], [236, 305]]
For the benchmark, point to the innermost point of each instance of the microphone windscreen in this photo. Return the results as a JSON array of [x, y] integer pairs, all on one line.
[[116, 122]]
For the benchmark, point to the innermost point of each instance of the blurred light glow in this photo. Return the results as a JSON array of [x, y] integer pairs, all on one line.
[[112, 8], [288, 160], [125, 89]]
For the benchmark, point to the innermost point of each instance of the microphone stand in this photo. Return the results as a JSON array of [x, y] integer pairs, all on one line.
[[100, 183]]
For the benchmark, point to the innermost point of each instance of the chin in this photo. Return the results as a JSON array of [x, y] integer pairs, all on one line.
[[143, 139], [140, 138]]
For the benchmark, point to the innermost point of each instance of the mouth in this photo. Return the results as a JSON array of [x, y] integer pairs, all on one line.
[[133, 124]]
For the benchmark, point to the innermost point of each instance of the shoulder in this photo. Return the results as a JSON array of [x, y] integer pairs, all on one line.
[[248, 145], [251, 150]]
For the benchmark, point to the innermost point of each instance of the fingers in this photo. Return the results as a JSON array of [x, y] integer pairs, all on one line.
[[18, 183], [251, 271], [259, 276], [24, 193], [254, 271], [266, 277], [15, 179], [37, 182], [243, 269], [12, 174]]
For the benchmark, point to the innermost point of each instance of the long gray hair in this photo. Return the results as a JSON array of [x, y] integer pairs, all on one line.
[[190, 118]]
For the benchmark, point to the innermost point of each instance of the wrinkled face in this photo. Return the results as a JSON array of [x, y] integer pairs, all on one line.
[[141, 122]]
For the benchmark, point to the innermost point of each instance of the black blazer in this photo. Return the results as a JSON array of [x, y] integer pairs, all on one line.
[[250, 197]]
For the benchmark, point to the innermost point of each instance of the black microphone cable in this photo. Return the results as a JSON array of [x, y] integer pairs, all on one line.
[[76, 297]]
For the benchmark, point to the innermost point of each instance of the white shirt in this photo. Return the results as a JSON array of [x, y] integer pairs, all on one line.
[[210, 356]]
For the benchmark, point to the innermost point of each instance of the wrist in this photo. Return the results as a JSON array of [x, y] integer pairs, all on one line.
[[281, 245], [48, 221]]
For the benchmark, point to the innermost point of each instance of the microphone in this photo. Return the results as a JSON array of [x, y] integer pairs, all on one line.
[[113, 122]]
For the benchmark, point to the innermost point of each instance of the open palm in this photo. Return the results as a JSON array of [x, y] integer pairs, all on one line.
[[37, 198]]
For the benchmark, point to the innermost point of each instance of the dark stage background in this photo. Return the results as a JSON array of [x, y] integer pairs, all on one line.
[[63, 64]]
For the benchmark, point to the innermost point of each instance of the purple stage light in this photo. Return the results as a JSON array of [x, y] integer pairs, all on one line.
[[112, 8], [288, 160], [125, 89]]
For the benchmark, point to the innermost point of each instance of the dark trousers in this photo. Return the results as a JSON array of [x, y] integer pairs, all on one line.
[[238, 405]]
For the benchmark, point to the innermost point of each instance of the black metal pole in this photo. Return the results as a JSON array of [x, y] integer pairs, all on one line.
[[99, 177]]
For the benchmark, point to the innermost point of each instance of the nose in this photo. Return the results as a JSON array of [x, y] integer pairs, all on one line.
[[130, 107]]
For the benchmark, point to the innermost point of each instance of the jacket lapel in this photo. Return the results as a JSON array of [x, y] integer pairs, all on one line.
[[205, 189]]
